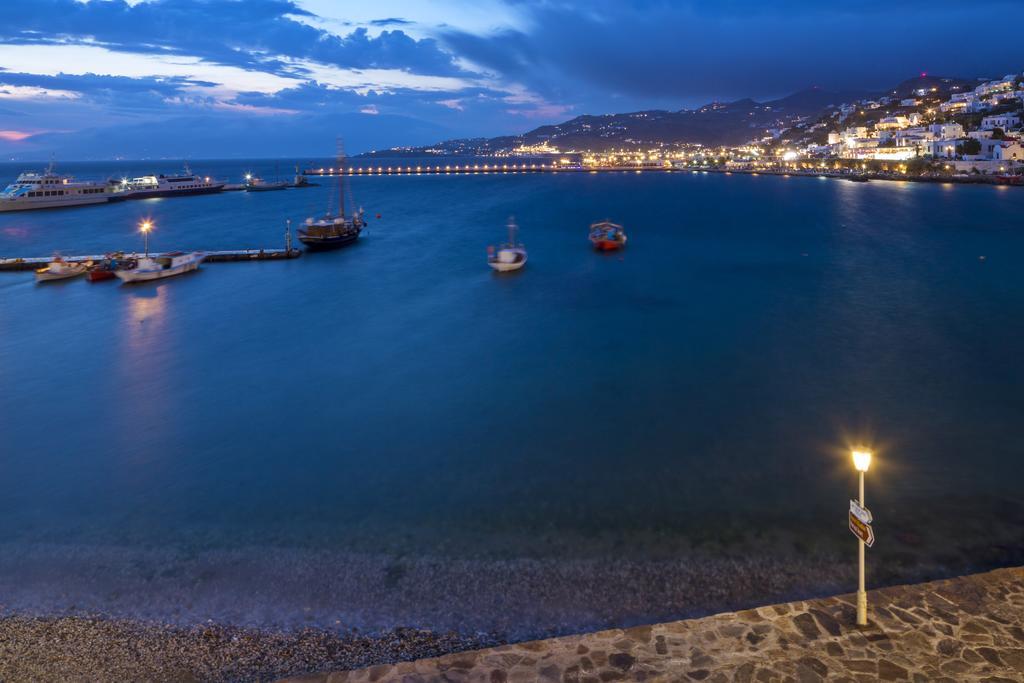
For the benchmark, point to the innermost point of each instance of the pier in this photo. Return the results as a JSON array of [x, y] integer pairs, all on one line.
[[223, 256], [475, 169]]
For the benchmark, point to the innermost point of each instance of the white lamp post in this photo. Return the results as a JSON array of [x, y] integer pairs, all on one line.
[[862, 461], [144, 228]]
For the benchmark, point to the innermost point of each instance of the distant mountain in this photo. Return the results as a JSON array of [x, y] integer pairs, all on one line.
[[714, 124]]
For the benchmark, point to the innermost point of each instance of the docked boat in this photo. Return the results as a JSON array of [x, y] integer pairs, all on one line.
[[607, 236], [59, 269], [255, 184], [158, 267], [187, 183], [333, 230], [508, 256], [50, 190], [106, 268]]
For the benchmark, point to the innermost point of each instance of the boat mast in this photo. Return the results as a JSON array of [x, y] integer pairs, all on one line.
[[341, 178]]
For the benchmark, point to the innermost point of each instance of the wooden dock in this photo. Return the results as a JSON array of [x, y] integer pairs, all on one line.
[[31, 263]]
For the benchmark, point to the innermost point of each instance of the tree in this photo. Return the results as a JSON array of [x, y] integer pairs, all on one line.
[[998, 134], [969, 146]]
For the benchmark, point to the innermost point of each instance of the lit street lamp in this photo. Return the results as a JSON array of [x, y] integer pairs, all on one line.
[[144, 228], [862, 461]]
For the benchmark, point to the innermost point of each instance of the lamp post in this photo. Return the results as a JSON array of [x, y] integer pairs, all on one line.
[[862, 461], [144, 228]]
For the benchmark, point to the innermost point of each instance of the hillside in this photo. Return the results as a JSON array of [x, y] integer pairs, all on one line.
[[714, 124]]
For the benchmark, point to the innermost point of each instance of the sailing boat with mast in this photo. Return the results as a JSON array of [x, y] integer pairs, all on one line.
[[509, 256], [333, 230]]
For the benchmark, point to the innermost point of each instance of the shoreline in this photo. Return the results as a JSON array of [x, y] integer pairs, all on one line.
[[228, 615], [101, 648]]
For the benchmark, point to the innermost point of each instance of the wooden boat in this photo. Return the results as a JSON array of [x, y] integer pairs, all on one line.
[[508, 256], [105, 269], [607, 236], [333, 230], [59, 269], [156, 268]]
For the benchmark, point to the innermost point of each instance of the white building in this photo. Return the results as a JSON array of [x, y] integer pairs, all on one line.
[[1004, 121], [1008, 150], [946, 131]]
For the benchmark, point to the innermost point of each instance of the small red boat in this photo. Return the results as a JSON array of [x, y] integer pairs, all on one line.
[[104, 270], [607, 236]]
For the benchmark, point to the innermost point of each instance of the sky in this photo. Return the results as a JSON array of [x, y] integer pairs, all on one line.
[[264, 78]]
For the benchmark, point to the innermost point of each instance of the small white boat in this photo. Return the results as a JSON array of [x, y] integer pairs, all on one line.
[[159, 267], [509, 256], [59, 269]]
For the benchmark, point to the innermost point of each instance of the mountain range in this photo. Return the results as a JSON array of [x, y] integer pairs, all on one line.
[[714, 124]]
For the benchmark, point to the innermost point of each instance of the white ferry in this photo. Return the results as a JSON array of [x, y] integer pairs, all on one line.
[[49, 190], [168, 186]]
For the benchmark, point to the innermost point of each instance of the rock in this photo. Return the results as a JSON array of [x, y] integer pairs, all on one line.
[[805, 623], [887, 671], [622, 660]]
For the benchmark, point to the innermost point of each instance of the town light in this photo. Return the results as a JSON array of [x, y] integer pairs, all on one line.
[[862, 460], [144, 227]]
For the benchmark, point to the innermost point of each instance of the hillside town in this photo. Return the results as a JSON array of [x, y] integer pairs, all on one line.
[[927, 126], [944, 126]]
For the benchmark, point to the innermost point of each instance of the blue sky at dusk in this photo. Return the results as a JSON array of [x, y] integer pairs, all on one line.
[[209, 78]]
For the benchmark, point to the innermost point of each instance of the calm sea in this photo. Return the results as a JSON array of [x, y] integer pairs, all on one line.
[[397, 409]]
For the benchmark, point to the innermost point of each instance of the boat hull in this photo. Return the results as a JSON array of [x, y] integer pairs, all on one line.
[[148, 275], [47, 275], [30, 205], [152, 194], [100, 275], [314, 243], [507, 266], [608, 245]]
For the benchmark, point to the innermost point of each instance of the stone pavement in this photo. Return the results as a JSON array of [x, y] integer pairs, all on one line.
[[965, 629]]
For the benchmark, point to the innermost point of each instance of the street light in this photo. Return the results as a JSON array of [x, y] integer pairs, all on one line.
[[144, 227], [861, 461]]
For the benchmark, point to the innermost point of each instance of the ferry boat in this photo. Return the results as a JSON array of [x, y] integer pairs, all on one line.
[[159, 267], [607, 236], [168, 186], [333, 230], [49, 190], [509, 256]]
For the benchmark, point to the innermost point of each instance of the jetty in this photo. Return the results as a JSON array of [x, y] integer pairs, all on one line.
[[223, 256], [462, 169]]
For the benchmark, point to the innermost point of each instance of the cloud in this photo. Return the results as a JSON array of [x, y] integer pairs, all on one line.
[[15, 135], [611, 54], [391, 22], [31, 92], [250, 34]]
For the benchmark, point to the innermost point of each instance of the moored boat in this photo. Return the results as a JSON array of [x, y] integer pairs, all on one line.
[[607, 236], [158, 267], [106, 268], [59, 269], [48, 190], [508, 256], [148, 186], [333, 230], [257, 184]]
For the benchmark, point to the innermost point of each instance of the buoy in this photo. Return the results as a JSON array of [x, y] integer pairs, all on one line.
[[378, 215]]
